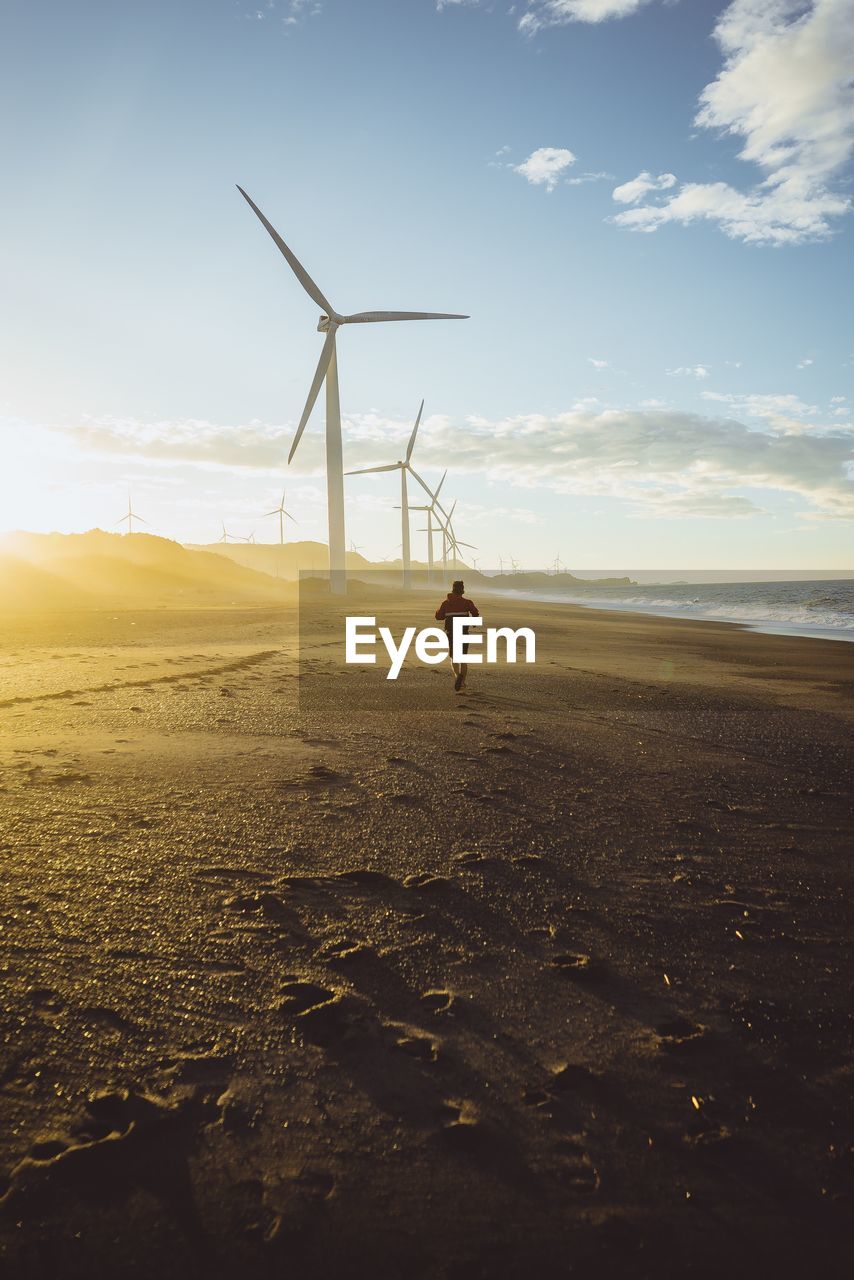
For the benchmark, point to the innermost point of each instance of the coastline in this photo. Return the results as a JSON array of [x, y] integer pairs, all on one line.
[[763, 627]]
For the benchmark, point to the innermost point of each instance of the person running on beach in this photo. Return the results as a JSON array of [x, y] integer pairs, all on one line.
[[455, 605]]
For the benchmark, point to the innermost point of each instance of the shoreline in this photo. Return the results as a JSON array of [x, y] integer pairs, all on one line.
[[763, 627]]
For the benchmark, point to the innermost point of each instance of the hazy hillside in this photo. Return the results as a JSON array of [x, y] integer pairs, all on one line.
[[292, 558], [287, 560], [97, 569]]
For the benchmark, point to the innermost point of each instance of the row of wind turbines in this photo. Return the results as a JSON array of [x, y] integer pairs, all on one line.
[[439, 520], [451, 545], [326, 375]]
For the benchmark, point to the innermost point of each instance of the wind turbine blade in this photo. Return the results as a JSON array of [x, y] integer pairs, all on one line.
[[439, 486], [375, 317], [411, 444], [288, 516], [319, 375], [140, 519], [470, 545], [424, 485], [368, 471], [270, 513], [296, 266]]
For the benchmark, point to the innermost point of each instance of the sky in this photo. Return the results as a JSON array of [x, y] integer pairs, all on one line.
[[644, 206]]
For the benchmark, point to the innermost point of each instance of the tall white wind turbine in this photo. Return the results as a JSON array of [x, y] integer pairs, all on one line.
[[327, 369], [403, 465]]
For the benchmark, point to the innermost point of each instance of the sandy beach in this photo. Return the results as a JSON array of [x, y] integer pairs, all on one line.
[[307, 976]]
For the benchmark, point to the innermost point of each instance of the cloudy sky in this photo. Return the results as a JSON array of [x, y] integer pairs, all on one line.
[[644, 205]]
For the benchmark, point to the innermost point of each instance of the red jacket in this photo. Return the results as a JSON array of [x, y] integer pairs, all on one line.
[[453, 605]]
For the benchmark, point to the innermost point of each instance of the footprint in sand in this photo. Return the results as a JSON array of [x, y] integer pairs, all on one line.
[[574, 1168], [426, 883], [680, 1036], [330, 1022], [413, 1042], [575, 963], [270, 907], [118, 1144], [438, 1001], [470, 858], [294, 1202], [298, 997]]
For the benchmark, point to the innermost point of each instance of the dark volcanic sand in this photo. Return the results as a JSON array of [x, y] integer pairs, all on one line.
[[552, 979]]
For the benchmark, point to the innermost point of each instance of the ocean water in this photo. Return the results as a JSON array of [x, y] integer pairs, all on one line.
[[821, 608]]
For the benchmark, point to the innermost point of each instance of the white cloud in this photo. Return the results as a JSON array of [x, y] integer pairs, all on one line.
[[598, 364], [700, 371], [545, 166], [630, 192], [784, 412], [786, 91], [589, 177], [659, 462], [805, 364], [477, 514], [553, 13]]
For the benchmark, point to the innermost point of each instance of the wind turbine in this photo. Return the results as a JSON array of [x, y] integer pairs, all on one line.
[[130, 517], [455, 546], [449, 539], [283, 515], [402, 465], [250, 540], [327, 370], [434, 508], [225, 534]]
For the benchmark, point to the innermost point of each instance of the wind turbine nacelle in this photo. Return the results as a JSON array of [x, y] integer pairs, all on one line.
[[323, 324]]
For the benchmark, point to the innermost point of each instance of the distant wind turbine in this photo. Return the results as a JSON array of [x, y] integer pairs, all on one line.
[[403, 465], [130, 517], [450, 542], [225, 534], [327, 369], [283, 515], [432, 509]]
